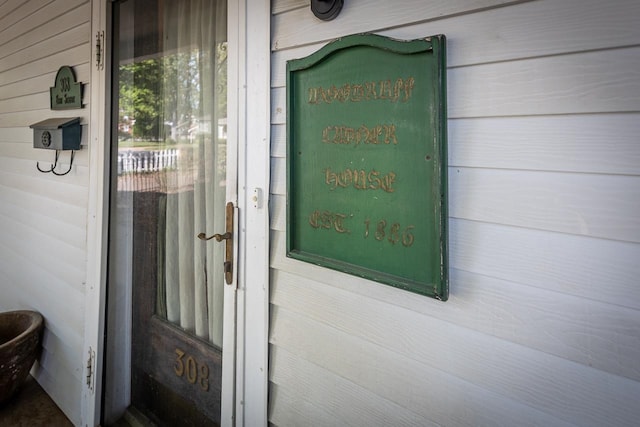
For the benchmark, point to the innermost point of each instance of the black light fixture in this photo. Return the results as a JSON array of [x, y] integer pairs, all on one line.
[[326, 9]]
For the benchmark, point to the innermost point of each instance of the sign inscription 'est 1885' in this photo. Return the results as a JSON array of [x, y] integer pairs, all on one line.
[[366, 161]]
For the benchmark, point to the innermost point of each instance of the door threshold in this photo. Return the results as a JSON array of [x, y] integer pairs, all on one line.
[[134, 418]]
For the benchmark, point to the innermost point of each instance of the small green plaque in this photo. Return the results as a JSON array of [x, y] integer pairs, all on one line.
[[367, 160], [67, 93]]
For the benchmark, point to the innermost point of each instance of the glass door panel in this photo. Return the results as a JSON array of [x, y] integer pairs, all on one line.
[[170, 185]]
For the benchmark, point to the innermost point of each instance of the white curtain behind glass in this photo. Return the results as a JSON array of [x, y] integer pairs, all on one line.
[[190, 292]]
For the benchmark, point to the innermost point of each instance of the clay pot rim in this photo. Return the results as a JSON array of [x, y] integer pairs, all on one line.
[[36, 322]]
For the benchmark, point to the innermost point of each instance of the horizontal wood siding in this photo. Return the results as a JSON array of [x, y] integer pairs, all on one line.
[[43, 218], [542, 323]]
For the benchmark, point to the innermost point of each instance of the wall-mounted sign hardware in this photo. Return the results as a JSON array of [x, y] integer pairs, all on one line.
[[57, 134], [67, 93], [326, 10], [367, 161]]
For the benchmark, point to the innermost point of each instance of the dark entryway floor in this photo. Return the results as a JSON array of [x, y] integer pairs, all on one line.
[[32, 407]]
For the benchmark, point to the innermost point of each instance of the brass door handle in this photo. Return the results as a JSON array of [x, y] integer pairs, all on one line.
[[228, 237], [218, 237]]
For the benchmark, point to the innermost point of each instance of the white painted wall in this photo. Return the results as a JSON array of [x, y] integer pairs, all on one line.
[[43, 218], [543, 322]]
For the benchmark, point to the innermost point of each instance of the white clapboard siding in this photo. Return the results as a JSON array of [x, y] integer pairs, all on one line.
[[300, 26], [596, 269], [18, 135], [40, 26], [21, 158], [52, 362], [39, 222], [43, 217], [22, 290], [483, 303], [13, 11], [544, 190], [591, 82], [427, 386], [496, 34], [279, 6], [73, 37], [292, 409], [607, 206], [73, 56], [64, 352], [43, 82], [313, 383], [25, 151], [370, 342], [63, 389], [604, 143], [26, 118], [33, 245], [26, 177], [66, 271], [24, 103], [62, 211], [581, 267], [56, 277]]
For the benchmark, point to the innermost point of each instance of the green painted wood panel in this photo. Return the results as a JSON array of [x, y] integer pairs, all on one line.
[[366, 164]]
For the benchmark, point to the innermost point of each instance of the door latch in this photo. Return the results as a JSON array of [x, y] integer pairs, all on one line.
[[228, 238]]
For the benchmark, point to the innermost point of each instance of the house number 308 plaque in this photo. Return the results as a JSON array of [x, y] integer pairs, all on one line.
[[367, 160]]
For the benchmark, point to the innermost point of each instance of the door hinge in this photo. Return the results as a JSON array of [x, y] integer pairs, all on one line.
[[91, 363], [100, 50]]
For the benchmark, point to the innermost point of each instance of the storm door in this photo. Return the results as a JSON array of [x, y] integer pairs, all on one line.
[[172, 181]]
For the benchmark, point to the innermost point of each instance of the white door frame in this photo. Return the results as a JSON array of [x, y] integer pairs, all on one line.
[[249, 78]]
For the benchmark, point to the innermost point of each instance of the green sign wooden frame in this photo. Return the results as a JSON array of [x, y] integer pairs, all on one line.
[[367, 160]]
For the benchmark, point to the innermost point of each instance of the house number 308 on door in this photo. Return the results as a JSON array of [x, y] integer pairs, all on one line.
[[187, 367]]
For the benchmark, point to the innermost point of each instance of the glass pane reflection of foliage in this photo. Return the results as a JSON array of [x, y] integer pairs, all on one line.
[[149, 87]]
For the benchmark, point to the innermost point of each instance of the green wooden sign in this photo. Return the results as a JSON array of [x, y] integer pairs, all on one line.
[[66, 94], [367, 160]]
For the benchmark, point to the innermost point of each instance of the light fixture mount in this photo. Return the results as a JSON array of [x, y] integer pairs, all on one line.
[[326, 10]]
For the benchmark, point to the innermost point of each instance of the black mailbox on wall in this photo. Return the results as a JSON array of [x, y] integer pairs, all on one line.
[[57, 134]]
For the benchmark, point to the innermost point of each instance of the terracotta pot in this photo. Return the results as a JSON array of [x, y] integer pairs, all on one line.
[[20, 340]]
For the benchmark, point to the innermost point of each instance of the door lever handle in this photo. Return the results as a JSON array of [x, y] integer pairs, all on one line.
[[218, 237], [228, 237]]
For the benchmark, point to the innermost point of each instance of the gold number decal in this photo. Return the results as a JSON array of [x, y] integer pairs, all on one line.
[[204, 377], [187, 366], [407, 236], [179, 366], [192, 370], [393, 233], [380, 229]]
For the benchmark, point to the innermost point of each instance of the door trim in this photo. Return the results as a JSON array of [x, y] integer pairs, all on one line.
[[97, 221], [254, 117], [249, 78]]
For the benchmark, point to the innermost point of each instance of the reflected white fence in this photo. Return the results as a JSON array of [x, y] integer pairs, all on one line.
[[139, 170], [147, 161]]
